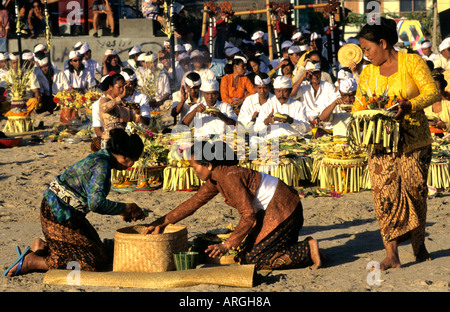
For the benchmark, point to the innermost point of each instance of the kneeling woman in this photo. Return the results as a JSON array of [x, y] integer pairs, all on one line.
[[271, 212], [82, 188]]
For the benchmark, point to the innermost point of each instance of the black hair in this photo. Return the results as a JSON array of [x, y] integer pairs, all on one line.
[[193, 76], [254, 59], [430, 64], [121, 143], [216, 153], [110, 81], [129, 71], [386, 29], [440, 77]]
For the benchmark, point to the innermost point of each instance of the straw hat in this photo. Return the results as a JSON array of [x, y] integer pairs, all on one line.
[[350, 52]]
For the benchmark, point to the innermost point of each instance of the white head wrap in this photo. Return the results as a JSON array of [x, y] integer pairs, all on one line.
[[444, 44], [196, 53], [28, 56], [257, 35], [78, 44], [232, 51], [210, 85], [2, 57], [84, 48], [315, 36], [294, 49], [187, 47], [73, 54], [183, 56], [141, 57], [348, 85], [286, 44], [179, 48], [110, 52], [150, 58], [261, 82], [343, 74], [297, 35], [136, 49], [425, 45], [128, 77], [39, 47], [13, 57], [311, 65], [240, 57], [191, 83], [282, 82]]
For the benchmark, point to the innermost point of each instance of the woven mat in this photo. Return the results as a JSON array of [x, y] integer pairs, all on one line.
[[227, 275]]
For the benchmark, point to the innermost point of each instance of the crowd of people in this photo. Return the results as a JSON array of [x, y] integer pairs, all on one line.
[[300, 91]]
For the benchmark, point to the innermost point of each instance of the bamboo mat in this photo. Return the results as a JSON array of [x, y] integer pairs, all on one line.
[[226, 275]]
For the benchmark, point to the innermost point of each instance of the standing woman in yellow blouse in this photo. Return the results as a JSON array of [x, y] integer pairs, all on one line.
[[399, 180]]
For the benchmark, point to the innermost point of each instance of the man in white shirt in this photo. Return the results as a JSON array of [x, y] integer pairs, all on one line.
[[77, 75], [206, 122], [252, 104], [443, 60], [163, 88], [315, 94], [188, 95], [182, 68], [294, 120], [427, 53], [92, 65], [337, 113], [134, 96]]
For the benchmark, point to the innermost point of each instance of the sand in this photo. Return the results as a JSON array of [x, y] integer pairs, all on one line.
[[346, 229]]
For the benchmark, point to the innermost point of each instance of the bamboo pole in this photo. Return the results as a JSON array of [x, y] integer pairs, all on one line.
[[205, 15], [269, 30]]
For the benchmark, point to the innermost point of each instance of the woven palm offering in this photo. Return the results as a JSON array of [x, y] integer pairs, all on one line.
[[135, 251], [179, 175], [375, 127], [350, 53], [344, 170], [19, 119], [439, 171]]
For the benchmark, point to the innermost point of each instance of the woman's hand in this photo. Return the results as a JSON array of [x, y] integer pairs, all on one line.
[[152, 229], [404, 108], [132, 212], [217, 250]]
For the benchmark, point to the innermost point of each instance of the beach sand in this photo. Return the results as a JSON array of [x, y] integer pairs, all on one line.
[[346, 229]]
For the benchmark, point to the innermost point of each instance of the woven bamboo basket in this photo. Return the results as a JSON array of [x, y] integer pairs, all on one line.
[[138, 252], [374, 127], [344, 175]]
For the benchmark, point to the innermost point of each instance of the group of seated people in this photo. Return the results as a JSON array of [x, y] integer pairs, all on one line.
[[296, 92]]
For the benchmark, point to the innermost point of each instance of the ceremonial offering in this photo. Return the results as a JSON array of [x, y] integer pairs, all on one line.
[[280, 116], [374, 128], [344, 170], [210, 110], [439, 171], [349, 53], [135, 251], [178, 175]]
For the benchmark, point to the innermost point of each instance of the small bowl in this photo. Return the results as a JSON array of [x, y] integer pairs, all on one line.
[[185, 260]]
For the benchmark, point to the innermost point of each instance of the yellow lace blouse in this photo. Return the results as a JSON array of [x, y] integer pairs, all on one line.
[[413, 82]]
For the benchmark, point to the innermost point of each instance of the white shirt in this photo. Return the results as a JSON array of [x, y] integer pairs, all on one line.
[[441, 61], [176, 98], [83, 81], [93, 66], [265, 192], [249, 107], [205, 124], [295, 109], [142, 100], [96, 121], [433, 56], [162, 85], [315, 104], [338, 121]]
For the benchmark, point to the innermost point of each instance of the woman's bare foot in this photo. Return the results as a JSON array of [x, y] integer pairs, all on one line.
[[31, 262], [316, 255], [390, 262]]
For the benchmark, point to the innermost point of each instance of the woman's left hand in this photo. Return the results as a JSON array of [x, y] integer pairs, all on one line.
[[404, 108], [217, 250], [132, 212]]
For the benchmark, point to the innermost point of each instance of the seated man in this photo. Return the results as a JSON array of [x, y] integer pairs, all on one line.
[[315, 93], [293, 119], [188, 96], [338, 112], [210, 116], [253, 103], [134, 96], [103, 8]]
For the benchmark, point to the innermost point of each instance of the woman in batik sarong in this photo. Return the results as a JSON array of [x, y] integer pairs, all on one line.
[[399, 180], [271, 212], [80, 189]]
